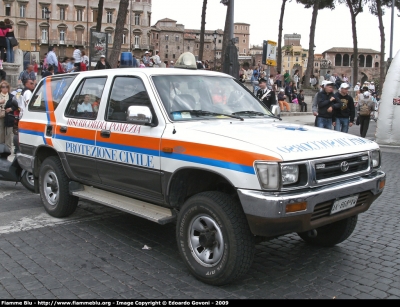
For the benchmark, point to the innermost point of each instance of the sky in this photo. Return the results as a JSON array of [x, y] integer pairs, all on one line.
[[333, 27]]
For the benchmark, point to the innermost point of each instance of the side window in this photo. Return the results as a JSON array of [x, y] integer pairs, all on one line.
[[126, 92], [59, 87], [86, 100]]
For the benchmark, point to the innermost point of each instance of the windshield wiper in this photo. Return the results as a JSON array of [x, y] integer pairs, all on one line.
[[256, 113], [201, 112]]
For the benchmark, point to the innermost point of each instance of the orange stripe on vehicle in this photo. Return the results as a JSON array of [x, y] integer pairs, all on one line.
[[217, 153], [40, 127], [50, 102], [81, 133], [130, 140]]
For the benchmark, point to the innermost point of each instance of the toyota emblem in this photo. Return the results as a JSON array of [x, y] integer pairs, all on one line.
[[344, 166]]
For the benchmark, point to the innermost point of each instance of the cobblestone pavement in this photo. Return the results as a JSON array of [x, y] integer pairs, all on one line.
[[97, 253]]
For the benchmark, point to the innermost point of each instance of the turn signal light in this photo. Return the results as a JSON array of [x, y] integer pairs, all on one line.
[[168, 150], [382, 184], [290, 208]]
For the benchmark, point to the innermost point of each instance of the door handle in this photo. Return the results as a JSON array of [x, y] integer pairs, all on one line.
[[105, 133], [63, 129], [49, 130]]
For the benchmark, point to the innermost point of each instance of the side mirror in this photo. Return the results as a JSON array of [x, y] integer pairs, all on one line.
[[139, 115]]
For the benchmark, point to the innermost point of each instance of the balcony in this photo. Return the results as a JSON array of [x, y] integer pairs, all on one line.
[[142, 47]]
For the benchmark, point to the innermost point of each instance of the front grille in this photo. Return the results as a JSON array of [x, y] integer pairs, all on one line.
[[333, 168], [323, 209]]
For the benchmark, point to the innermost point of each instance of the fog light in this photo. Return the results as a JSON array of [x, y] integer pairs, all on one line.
[[290, 208]]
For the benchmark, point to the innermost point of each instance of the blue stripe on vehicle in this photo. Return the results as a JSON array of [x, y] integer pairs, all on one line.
[[32, 132]]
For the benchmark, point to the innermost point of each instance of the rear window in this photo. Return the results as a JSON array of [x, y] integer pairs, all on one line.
[[42, 96]]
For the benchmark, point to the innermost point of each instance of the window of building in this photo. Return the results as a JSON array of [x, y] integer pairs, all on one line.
[[208, 47], [244, 50], [376, 64], [244, 41], [8, 9], [62, 36], [376, 56], [166, 46], [173, 56], [219, 41], [235, 27], [157, 35], [177, 38], [188, 48], [166, 55], [79, 36], [178, 47], [197, 46], [109, 17], [137, 19], [95, 13], [110, 38], [297, 59], [22, 10], [44, 12], [166, 37], [22, 32], [62, 13], [44, 35], [137, 40], [79, 15], [123, 38]]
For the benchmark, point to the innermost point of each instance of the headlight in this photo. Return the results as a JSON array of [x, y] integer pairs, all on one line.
[[268, 175], [290, 174], [376, 158]]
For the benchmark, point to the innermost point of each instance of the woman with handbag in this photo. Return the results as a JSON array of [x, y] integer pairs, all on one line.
[[11, 42], [9, 108]]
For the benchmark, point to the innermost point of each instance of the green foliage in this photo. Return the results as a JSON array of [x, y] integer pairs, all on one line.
[[323, 4]]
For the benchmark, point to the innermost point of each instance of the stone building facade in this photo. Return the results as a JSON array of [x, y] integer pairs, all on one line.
[[342, 58], [70, 23], [242, 33]]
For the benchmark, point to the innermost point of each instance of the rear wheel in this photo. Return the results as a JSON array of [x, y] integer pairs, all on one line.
[[214, 238], [54, 189], [28, 181], [331, 234]]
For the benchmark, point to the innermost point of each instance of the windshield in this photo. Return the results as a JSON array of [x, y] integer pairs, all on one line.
[[206, 97]]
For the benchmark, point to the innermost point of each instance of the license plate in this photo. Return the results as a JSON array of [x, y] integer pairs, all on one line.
[[344, 203]]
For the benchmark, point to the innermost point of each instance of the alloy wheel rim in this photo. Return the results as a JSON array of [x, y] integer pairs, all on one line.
[[206, 241], [51, 188]]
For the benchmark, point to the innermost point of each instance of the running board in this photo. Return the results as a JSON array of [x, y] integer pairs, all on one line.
[[133, 206]]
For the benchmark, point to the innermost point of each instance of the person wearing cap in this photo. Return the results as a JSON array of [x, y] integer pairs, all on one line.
[[326, 104], [171, 65], [357, 87], [364, 108], [264, 94], [371, 87], [146, 59], [343, 118], [282, 101], [102, 63]]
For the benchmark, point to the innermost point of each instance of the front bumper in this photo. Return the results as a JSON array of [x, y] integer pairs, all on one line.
[[266, 212]]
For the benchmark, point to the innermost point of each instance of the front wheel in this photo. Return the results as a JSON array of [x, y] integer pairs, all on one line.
[[214, 238], [54, 189], [331, 234]]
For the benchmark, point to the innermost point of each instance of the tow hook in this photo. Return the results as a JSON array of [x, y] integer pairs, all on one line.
[[312, 233]]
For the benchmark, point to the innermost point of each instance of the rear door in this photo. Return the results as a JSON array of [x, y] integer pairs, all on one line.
[[75, 132]]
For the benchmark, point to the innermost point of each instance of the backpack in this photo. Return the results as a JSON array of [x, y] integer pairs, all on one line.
[[364, 109]]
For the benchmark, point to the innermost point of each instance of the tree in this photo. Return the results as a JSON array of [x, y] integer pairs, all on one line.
[[279, 60], [99, 15], [377, 8], [316, 5], [355, 7], [203, 29], [119, 29], [226, 38]]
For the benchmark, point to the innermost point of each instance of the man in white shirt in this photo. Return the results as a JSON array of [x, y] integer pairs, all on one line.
[[371, 86], [357, 87], [85, 106], [156, 59], [77, 55], [52, 58]]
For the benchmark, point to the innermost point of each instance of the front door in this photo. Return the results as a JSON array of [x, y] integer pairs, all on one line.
[[128, 156]]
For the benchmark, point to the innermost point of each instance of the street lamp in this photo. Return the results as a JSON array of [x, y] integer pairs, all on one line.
[[47, 15], [215, 48]]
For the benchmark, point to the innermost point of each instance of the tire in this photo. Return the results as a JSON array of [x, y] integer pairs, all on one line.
[[27, 180], [331, 234], [222, 254], [54, 189]]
